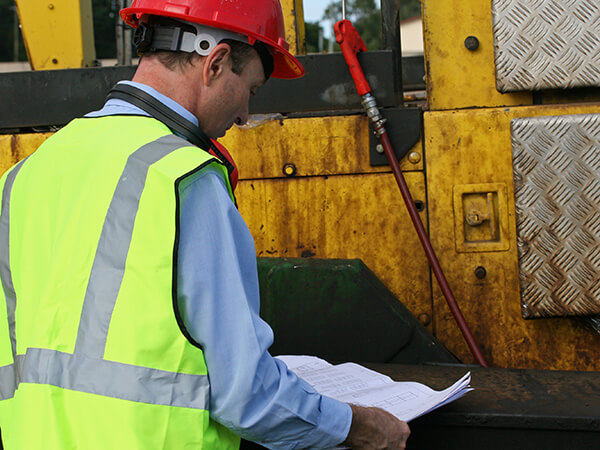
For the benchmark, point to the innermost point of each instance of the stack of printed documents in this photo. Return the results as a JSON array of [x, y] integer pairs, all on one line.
[[353, 383]]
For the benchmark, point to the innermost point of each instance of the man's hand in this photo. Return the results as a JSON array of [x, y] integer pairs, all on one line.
[[374, 428]]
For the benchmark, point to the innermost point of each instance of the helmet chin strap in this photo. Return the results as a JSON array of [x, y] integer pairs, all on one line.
[[175, 36], [175, 39]]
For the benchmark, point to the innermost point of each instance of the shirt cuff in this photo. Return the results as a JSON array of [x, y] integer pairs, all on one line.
[[336, 420]]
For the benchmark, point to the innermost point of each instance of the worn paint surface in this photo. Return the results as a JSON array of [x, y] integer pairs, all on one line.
[[315, 146], [474, 147], [342, 216], [15, 147], [58, 34], [293, 16], [458, 77]]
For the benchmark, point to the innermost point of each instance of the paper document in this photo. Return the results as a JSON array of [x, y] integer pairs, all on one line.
[[353, 383]]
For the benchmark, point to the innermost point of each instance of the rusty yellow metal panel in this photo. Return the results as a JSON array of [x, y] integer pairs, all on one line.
[[456, 76], [313, 146], [58, 34], [15, 147], [473, 148], [343, 216], [293, 14]]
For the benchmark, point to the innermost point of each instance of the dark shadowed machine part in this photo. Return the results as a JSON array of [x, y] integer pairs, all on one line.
[[340, 311]]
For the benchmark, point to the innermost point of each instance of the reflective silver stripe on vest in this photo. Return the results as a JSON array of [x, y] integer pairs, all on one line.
[[7, 373], [112, 379], [5, 273], [8, 382], [86, 370], [109, 263]]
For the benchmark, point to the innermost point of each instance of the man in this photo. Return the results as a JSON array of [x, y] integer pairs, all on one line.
[[129, 277]]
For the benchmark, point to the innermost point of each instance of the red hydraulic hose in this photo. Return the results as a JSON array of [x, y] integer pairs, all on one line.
[[351, 43], [431, 257]]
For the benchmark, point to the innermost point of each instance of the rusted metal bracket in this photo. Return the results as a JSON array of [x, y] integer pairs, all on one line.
[[404, 129]]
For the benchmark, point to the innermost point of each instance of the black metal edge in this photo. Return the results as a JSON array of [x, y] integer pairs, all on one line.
[[413, 73], [404, 130], [391, 40], [511, 421], [510, 398], [328, 85], [53, 98]]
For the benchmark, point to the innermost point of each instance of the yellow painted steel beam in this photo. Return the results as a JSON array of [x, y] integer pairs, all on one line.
[[58, 34], [468, 157], [293, 13], [458, 77], [316, 146]]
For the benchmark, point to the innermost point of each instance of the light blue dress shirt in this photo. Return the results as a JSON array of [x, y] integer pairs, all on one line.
[[252, 393]]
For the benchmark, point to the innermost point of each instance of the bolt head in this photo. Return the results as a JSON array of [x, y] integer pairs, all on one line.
[[414, 157], [480, 272], [472, 43], [289, 170], [425, 319]]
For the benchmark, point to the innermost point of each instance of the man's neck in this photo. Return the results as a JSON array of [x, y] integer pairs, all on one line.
[[177, 84]]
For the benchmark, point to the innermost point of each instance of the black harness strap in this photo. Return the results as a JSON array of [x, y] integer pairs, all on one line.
[[176, 123]]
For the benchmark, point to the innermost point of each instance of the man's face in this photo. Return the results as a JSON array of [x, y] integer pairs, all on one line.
[[232, 96]]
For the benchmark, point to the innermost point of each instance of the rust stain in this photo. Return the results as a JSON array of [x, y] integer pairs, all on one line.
[[14, 150], [584, 356]]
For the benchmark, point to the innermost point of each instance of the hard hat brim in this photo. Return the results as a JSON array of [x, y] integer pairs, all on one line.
[[287, 66]]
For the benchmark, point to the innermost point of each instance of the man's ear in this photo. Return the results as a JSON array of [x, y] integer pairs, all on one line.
[[216, 62]]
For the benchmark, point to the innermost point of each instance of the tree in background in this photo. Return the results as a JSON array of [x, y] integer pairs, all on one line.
[[410, 8], [366, 17], [316, 42]]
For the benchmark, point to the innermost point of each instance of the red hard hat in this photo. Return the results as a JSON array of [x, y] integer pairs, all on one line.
[[260, 20]]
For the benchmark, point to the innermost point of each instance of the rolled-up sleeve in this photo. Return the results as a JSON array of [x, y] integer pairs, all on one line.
[[252, 393]]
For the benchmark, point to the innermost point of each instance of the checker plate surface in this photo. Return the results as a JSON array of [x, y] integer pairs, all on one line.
[[546, 44], [556, 169]]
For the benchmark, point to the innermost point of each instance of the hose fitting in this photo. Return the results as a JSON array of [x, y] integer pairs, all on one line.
[[370, 105]]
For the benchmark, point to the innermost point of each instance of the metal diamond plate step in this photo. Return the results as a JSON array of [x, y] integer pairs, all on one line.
[[546, 44], [556, 168]]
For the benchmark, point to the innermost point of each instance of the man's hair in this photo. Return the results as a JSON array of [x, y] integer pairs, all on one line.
[[241, 53]]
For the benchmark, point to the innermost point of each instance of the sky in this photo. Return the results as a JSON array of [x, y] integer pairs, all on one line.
[[313, 12], [313, 9]]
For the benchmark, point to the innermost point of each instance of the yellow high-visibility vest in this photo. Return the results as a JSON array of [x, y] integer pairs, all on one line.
[[93, 353]]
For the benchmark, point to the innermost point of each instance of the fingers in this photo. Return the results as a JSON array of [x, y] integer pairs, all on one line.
[[374, 428], [404, 432]]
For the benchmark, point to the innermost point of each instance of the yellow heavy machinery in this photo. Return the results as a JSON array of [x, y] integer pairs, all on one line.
[[501, 159]]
